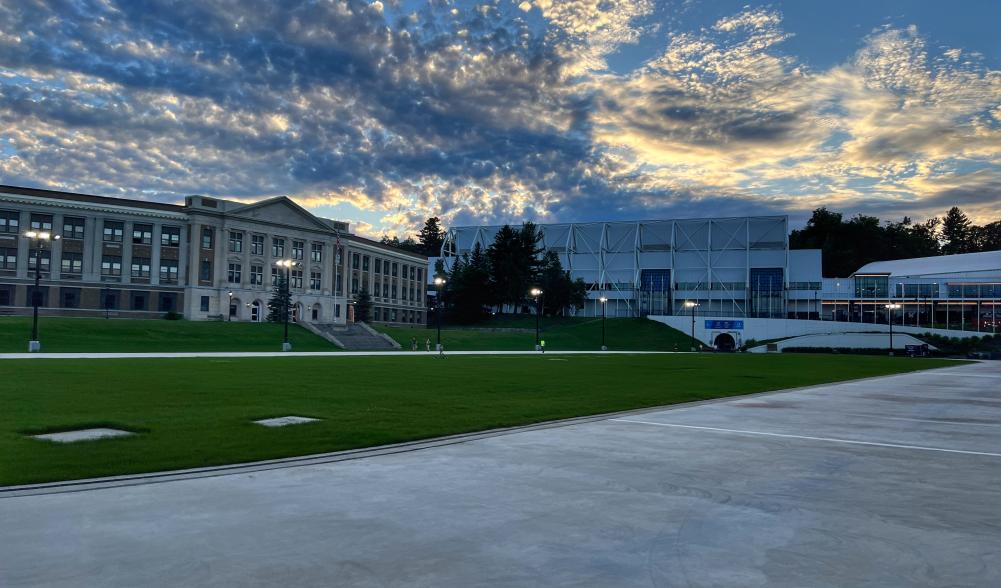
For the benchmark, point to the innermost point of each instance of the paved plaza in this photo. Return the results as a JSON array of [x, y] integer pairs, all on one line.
[[892, 481]]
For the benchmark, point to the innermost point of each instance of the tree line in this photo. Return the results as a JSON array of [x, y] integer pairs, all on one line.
[[502, 275], [849, 244]]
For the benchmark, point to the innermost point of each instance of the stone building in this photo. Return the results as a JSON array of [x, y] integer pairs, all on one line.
[[206, 259]]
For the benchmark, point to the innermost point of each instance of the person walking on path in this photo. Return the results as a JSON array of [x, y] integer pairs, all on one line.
[[542, 345], [427, 344], [441, 350], [413, 344]]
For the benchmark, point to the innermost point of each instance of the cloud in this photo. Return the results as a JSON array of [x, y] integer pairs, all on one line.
[[490, 112]]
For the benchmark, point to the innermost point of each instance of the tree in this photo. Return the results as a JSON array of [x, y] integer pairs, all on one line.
[[513, 259], [431, 237], [560, 291], [957, 232], [469, 286], [363, 306], [407, 244], [988, 237], [280, 302]]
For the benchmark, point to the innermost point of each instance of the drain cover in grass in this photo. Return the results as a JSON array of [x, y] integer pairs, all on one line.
[[82, 435], [285, 421]]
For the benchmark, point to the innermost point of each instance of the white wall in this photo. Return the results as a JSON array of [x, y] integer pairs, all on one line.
[[764, 328], [849, 340]]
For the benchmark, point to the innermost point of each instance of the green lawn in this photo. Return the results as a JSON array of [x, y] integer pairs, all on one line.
[[576, 334], [62, 335], [197, 412]]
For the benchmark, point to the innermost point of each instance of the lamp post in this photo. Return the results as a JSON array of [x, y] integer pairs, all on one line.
[[693, 305], [37, 239], [537, 293], [287, 264], [889, 311], [439, 290], [229, 309], [603, 302]]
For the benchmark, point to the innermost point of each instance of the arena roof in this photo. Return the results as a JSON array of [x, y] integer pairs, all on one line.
[[937, 265]]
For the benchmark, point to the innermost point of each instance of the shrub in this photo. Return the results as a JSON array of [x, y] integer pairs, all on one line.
[[172, 316]]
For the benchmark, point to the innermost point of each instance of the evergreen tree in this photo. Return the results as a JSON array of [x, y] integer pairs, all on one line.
[[363, 306], [957, 232], [469, 286], [513, 259], [431, 237], [280, 302]]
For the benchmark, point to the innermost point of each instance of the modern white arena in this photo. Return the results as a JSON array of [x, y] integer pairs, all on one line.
[[731, 267]]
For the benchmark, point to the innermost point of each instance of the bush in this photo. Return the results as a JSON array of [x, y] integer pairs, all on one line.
[[172, 316]]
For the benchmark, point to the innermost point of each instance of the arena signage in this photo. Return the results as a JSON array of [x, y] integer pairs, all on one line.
[[724, 325]]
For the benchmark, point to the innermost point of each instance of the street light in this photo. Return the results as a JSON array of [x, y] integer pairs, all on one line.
[[603, 302], [229, 309], [537, 293], [287, 264], [693, 305], [439, 290], [890, 308], [38, 238]]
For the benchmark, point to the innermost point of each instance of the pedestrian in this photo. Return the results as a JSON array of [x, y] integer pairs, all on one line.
[[427, 344], [441, 350], [413, 344], [542, 345]]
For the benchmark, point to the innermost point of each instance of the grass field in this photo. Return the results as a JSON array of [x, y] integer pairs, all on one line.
[[197, 412], [576, 334], [63, 335]]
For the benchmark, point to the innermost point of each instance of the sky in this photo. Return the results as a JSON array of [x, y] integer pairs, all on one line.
[[385, 112]]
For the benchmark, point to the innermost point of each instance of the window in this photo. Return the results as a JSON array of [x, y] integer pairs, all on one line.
[[871, 286], [257, 275], [113, 232], [337, 311], [420, 274], [297, 247], [277, 247], [6, 295], [142, 234], [403, 293], [257, 244], [234, 274], [204, 304], [378, 313], [395, 269], [314, 280], [364, 263], [72, 229], [412, 293], [207, 237], [205, 271], [111, 266], [394, 315], [413, 270], [139, 301], [274, 276], [168, 300], [41, 222], [394, 292], [168, 271], [140, 268], [38, 256], [69, 297], [354, 260], [339, 284], [316, 252], [109, 299], [235, 241], [9, 221], [378, 265], [296, 280], [354, 284], [8, 259], [71, 263], [170, 236]]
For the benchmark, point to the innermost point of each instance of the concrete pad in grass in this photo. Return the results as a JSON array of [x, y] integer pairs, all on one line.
[[285, 421], [83, 435]]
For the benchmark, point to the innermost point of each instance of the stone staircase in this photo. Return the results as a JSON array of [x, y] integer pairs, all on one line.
[[355, 337]]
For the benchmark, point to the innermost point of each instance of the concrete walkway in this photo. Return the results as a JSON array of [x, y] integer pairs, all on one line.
[[303, 354], [891, 481]]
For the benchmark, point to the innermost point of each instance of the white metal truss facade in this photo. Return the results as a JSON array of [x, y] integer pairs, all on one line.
[[709, 259]]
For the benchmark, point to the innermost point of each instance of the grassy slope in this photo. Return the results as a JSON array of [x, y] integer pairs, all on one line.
[[628, 334], [130, 335], [196, 412]]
